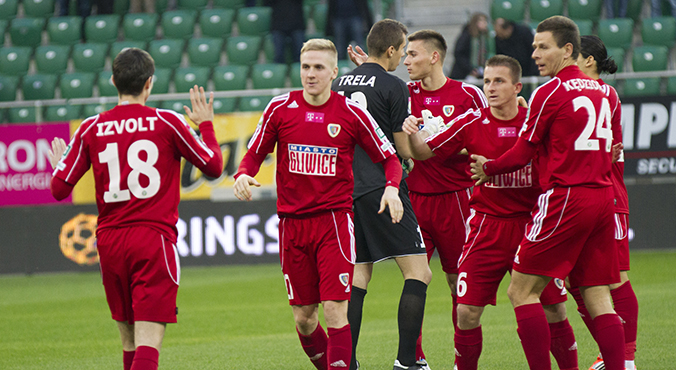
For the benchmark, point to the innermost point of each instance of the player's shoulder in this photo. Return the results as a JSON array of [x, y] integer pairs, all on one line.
[[171, 117], [279, 101], [544, 91], [88, 123]]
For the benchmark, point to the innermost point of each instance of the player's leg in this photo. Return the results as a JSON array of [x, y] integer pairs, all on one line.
[[339, 349], [312, 336], [563, 345], [468, 337], [609, 333], [148, 340], [362, 277], [128, 347]]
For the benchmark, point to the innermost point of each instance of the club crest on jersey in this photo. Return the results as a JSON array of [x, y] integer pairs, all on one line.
[[448, 110], [312, 160], [506, 131], [314, 117], [334, 129], [559, 283], [432, 100], [344, 278]]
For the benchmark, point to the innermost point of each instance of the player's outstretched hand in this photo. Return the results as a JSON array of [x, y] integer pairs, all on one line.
[[410, 125], [357, 55], [617, 151], [242, 187], [58, 148], [477, 168], [201, 110], [391, 200]]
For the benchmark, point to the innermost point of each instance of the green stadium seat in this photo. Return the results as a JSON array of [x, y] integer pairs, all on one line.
[[22, 115], [39, 87], [543, 9], [77, 85], [38, 8], [243, 50], [269, 76], [319, 17], [294, 74], [89, 110], [618, 55], [192, 4], [26, 31], [229, 4], [205, 52], [253, 103], [585, 9], [178, 24], [161, 80], [120, 7], [58, 113], [230, 77], [650, 58], [185, 78], [139, 26], [8, 9], [161, 6], [167, 53], [671, 86], [634, 9], [311, 2], [52, 58], [345, 66], [153, 103], [64, 30], [269, 51], [105, 84], [176, 105], [508, 9], [659, 31], [254, 21], [118, 46], [102, 28], [585, 26], [217, 22], [616, 32], [89, 57], [225, 105], [3, 26], [15, 60], [8, 86], [642, 86]]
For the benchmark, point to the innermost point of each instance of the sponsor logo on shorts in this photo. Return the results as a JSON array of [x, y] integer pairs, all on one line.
[[522, 178], [432, 100], [448, 110], [312, 160], [559, 283], [315, 117], [506, 131], [334, 129], [344, 278]]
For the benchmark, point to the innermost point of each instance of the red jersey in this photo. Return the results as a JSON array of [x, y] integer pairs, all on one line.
[[443, 175], [507, 195], [619, 188], [315, 148], [135, 152], [569, 120]]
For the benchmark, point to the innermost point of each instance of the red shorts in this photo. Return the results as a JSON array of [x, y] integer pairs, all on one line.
[[442, 219], [488, 255], [622, 239], [141, 272], [317, 255], [572, 234]]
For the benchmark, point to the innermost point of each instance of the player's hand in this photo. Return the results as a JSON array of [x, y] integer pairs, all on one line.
[[410, 125], [477, 168], [357, 55], [201, 110], [58, 148], [617, 151], [242, 187], [521, 102], [432, 124], [391, 200]]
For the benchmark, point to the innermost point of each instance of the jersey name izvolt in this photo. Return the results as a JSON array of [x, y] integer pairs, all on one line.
[[312, 160]]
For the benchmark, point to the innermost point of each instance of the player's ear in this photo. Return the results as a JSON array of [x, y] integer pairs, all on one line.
[[568, 50], [518, 86], [149, 84], [390, 51]]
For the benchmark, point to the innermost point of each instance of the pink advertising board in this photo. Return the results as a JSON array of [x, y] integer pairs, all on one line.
[[25, 172]]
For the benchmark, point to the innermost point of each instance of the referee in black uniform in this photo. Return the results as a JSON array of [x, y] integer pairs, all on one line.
[[386, 97]]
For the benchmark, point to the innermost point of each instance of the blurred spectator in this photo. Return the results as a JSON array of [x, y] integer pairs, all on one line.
[[142, 6], [656, 8], [348, 20], [288, 27], [471, 48], [516, 40], [619, 5]]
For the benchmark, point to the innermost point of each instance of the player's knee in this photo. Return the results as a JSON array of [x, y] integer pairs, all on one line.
[[469, 317], [555, 312]]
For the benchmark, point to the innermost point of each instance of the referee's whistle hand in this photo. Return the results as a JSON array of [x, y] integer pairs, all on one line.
[[391, 200]]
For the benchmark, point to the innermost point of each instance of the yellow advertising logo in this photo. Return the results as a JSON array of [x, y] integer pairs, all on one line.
[[78, 240]]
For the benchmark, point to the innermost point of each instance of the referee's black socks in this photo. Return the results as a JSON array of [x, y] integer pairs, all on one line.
[[354, 313], [411, 312]]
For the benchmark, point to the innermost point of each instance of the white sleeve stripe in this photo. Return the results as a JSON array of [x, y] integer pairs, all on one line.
[[209, 152], [542, 106], [182, 119], [480, 93], [79, 152], [282, 99], [374, 124], [452, 136]]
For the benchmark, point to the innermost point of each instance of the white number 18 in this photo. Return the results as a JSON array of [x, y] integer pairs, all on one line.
[[139, 167]]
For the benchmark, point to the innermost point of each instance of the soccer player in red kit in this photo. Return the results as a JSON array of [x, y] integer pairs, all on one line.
[[315, 131], [571, 233], [500, 210], [594, 60], [135, 153]]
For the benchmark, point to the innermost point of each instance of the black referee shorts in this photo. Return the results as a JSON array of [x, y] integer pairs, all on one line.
[[376, 237]]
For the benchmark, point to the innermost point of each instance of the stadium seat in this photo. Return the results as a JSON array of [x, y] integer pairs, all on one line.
[[38, 8], [39, 87], [585, 26], [139, 26], [616, 32], [508, 9], [64, 30], [269, 76], [120, 7], [650, 58], [153, 103], [192, 4], [185, 78], [77, 85], [618, 55], [543, 9], [26, 31], [175, 105], [253, 103], [311, 2], [243, 50], [8, 9], [230, 77], [634, 9], [105, 84], [294, 74], [585, 9], [52, 58], [14, 61], [89, 110], [166, 52], [89, 57], [8, 86], [225, 105], [178, 24], [319, 17], [205, 52], [229, 4], [254, 21], [217, 22], [642, 86], [161, 6], [57, 113], [118, 46], [345, 66], [3, 26], [659, 31], [102, 28], [671, 86], [22, 114], [161, 80]]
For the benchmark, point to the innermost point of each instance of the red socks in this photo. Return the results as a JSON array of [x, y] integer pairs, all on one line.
[[533, 330], [419, 354], [563, 345], [626, 306], [582, 310], [128, 359], [468, 348], [145, 358], [340, 347], [610, 337], [315, 346]]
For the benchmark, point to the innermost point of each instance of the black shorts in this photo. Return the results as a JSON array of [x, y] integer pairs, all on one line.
[[376, 237]]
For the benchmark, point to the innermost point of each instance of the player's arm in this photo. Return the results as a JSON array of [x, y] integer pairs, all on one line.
[[616, 128], [70, 162], [390, 198], [59, 188], [517, 157], [416, 138], [357, 55], [202, 114]]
